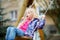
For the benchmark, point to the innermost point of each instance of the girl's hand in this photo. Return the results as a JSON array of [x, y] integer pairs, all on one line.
[[22, 18]]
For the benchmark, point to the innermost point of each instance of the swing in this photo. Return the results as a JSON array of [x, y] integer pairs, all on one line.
[[28, 38], [23, 38]]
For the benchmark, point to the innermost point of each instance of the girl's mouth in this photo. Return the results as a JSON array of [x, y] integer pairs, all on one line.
[[26, 16]]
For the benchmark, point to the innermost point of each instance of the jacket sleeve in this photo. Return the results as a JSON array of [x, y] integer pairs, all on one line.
[[41, 24]]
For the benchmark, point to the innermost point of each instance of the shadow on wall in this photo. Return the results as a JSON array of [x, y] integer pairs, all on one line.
[[50, 29]]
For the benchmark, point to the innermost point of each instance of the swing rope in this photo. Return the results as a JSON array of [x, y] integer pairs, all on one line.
[[38, 13], [47, 7]]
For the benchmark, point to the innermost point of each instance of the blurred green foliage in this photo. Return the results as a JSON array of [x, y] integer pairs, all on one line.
[[2, 27]]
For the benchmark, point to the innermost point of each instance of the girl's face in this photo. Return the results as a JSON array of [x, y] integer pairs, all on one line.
[[29, 14]]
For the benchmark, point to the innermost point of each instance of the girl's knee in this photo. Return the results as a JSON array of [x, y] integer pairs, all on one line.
[[10, 28]]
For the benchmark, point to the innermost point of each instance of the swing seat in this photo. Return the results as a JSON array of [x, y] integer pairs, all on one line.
[[23, 38]]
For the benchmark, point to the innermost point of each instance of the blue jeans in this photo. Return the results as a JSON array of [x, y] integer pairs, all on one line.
[[12, 32]]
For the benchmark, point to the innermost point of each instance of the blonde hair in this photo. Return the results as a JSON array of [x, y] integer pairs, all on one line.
[[34, 6], [32, 10]]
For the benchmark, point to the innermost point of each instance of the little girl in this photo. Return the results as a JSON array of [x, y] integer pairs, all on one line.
[[22, 27]]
